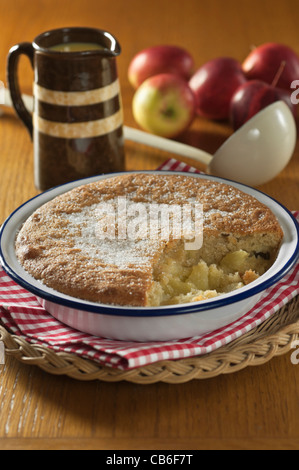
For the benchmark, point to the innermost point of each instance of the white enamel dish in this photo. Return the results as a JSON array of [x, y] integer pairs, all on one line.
[[148, 323]]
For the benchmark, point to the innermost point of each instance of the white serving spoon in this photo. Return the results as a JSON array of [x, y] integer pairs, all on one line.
[[256, 153]]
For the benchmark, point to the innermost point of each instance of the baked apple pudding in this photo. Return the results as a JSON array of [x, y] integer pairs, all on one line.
[[98, 242]]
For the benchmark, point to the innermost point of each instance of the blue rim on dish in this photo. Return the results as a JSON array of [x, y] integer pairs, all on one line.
[[105, 309]]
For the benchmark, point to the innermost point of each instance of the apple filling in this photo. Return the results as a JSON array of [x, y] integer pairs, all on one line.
[[184, 276]]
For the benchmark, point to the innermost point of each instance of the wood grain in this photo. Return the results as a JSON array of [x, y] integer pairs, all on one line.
[[255, 408]]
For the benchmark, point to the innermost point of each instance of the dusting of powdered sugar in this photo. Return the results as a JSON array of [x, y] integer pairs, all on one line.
[[85, 229], [99, 231]]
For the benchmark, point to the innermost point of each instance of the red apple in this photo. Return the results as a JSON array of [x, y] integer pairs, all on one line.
[[253, 96], [164, 105], [160, 59], [214, 84], [265, 61]]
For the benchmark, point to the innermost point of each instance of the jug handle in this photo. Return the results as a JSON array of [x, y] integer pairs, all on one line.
[[14, 54]]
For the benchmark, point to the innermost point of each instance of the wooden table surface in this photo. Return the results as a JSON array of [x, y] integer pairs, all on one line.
[[256, 408]]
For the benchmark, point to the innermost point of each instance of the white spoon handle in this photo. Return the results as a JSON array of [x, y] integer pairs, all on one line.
[[166, 144], [134, 135]]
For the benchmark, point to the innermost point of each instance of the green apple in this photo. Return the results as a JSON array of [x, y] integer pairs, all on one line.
[[164, 105]]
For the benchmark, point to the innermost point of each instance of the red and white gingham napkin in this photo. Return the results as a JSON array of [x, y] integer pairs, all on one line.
[[23, 316]]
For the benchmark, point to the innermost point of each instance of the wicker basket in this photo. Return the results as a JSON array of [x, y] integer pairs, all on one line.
[[272, 338]]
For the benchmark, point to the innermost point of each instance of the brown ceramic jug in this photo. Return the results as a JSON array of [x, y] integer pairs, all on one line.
[[77, 123]]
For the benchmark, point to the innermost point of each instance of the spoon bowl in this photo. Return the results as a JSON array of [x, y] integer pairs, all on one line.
[[259, 150]]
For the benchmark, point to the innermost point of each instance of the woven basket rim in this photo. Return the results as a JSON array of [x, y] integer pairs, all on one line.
[[273, 337]]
